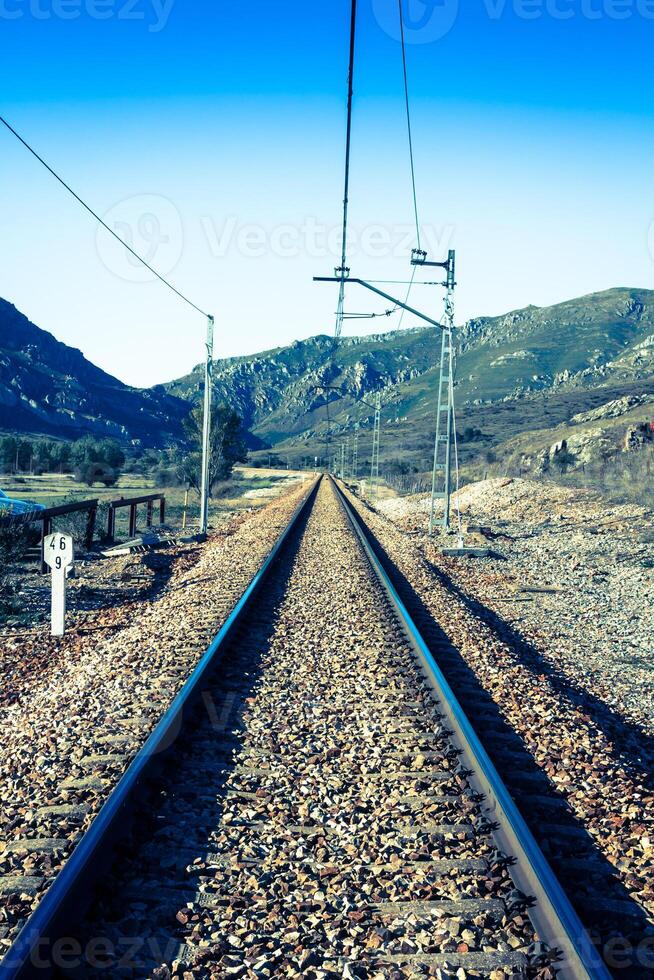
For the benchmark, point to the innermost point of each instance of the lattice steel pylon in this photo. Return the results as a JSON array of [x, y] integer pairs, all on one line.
[[441, 484], [205, 487], [374, 462]]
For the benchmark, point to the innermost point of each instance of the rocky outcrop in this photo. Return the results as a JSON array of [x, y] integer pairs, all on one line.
[[612, 409], [638, 436]]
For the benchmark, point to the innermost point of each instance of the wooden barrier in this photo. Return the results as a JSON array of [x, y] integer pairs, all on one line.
[[47, 516], [132, 503]]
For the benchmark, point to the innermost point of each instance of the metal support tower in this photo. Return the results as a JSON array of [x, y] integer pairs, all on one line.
[[346, 472], [441, 482], [342, 471], [355, 453], [206, 432], [374, 462]]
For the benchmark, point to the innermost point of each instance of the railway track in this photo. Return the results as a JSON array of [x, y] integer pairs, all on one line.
[[572, 766], [325, 810]]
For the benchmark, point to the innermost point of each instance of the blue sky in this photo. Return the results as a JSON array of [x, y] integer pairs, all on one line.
[[212, 136]]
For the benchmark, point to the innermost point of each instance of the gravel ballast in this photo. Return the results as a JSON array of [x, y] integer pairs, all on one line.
[[572, 567], [592, 757], [317, 824], [75, 711]]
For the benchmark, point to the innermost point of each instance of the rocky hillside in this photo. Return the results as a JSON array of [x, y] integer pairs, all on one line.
[[587, 440], [291, 391], [47, 388], [515, 372], [529, 369], [594, 340]]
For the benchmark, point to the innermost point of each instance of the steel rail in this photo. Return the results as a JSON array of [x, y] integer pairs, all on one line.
[[553, 916], [27, 958]]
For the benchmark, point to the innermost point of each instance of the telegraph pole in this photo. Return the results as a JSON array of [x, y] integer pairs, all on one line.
[[355, 453], [206, 432]]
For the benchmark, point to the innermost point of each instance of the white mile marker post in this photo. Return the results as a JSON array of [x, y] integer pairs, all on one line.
[[58, 556]]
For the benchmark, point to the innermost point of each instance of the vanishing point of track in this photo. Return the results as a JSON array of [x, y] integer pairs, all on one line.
[[315, 803]]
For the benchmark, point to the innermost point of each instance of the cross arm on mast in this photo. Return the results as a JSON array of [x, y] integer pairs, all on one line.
[[379, 292]]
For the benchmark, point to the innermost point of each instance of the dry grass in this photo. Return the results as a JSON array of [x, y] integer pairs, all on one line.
[[52, 489]]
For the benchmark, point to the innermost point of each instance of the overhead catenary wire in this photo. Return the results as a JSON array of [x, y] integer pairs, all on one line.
[[342, 272], [408, 120], [346, 189], [406, 298], [206, 422], [99, 219]]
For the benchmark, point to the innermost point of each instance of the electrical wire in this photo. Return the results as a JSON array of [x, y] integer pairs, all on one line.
[[369, 316], [348, 146], [406, 298], [99, 219], [404, 282], [408, 120]]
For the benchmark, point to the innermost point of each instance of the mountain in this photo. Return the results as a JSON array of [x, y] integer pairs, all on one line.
[[284, 393], [48, 388], [597, 339], [531, 369]]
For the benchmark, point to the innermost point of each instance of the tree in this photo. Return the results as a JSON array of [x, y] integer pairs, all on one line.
[[471, 434], [96, 473], [44, 453], [111, 453], [62, 458], [226, 445], [23, 456], [106, 455], [8, 446]]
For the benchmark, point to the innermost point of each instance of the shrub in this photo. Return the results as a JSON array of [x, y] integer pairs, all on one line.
[[16, 536], [91, 473], [166, 476]]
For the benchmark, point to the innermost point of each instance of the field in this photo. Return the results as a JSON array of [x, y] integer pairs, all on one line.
[[248, 488]]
